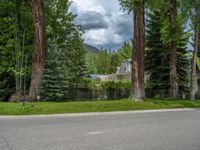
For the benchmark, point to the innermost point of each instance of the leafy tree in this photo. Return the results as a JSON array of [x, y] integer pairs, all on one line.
[[192, 12], [116, 61], [125, 52], [16, 42], [101, 63], [104, 62], [91, 61], [196, 27]]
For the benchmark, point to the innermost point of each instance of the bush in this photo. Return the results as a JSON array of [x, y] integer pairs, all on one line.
[[95, 90]]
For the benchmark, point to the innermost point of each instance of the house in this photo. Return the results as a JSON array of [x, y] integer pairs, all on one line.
[[125, 67], [123, 73]]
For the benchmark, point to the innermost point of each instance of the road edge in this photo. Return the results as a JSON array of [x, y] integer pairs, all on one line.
[[92, 113]]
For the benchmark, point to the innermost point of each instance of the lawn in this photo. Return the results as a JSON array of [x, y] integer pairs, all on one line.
[[92, 106]]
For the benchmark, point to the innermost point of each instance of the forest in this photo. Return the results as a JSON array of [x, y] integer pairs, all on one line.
[[42, 53]]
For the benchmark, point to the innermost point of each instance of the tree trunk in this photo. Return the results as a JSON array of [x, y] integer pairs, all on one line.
[[194, 58], [137, 88], [173, 49], [39, 48], [18, 51]]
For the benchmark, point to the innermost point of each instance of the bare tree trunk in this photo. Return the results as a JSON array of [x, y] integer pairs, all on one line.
[[194, 58], [173, 49], [39, 47], [137, 89], [18, 57]]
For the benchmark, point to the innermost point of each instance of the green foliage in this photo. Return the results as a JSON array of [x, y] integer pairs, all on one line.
[[127, 5], [158, 54], [131, 5], [105, 85], [65, 64], [55, 81], [99, 63], [16, 38], [125, 52], [7, 86], [106, 62], [91, 61]]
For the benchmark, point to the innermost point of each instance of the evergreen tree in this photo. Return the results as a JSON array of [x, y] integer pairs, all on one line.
[[54, 83], [183, 64], [65, 63], [157, 63], [158, 56]]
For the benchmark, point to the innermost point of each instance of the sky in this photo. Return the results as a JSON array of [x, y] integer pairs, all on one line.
[[106, 25]]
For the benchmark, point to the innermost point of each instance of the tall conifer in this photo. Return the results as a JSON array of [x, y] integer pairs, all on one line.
[[158, 56]]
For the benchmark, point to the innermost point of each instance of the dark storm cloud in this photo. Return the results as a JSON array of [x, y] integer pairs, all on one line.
[[91, 20]]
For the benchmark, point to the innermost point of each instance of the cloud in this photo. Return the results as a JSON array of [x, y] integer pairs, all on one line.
[[105, 24], [91, 20]]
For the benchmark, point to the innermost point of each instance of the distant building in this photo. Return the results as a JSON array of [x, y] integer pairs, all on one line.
[[123, 73], [125, 67]]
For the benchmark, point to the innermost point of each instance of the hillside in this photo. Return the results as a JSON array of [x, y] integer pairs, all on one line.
[[91, 49]]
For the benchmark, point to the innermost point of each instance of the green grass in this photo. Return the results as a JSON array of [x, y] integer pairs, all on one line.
[[92, 106]]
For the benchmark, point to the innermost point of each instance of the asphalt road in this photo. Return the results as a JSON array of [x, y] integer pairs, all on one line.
[[135, 131]]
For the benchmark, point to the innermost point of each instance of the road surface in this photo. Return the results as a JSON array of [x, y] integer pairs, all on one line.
[[171, 130]]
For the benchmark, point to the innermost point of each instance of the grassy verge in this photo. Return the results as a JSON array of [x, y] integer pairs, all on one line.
[[92, 106]]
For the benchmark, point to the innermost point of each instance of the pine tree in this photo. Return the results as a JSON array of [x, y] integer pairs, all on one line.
[[183, 65], [158, 56], [65, 64], [157, 63], [54, 82]]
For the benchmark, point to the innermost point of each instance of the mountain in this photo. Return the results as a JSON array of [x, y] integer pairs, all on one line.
[[91, 49]]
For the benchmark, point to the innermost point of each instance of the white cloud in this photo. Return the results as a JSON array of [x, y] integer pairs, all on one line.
[[89, 5], [106, 25], [102, 37]]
